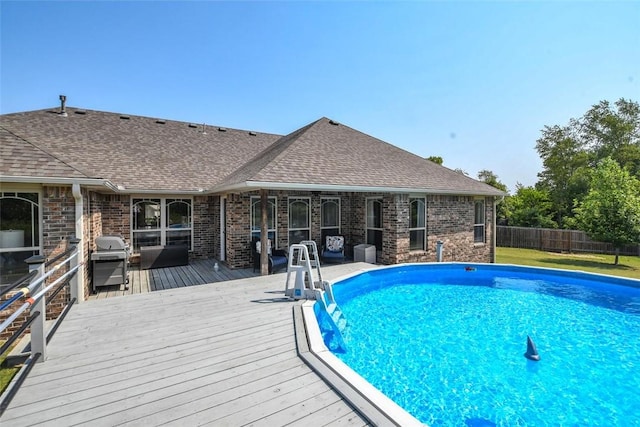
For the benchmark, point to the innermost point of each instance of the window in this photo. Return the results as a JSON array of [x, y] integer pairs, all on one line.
[[161, 221], [329, 217], [478, 226], [417, 224], [374, 223], [299, 221], [256, 218], [19, 233]]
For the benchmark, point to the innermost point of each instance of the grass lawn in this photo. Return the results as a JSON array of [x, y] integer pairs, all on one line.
[[628, 266], [6, 374]]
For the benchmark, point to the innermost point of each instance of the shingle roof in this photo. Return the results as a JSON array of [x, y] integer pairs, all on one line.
[[142, 153], [21, 158], [326, 154], [136, 152]]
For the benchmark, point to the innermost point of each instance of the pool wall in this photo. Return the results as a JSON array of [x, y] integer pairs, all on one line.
[[368, 400], [354, 387]]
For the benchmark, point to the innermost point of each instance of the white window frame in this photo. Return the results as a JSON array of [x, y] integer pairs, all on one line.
[[164, 223], [293, 199], [421, 228], [479, 228], [254, 230], [337, 201], [12, 192], [381, 228]]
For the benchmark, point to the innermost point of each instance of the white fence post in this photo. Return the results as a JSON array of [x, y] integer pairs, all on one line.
[[74, 284], [38, 332]]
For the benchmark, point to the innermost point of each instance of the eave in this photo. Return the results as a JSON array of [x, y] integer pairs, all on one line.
[[292, 186]]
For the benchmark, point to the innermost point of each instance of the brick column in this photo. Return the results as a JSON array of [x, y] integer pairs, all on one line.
[[395, 237]]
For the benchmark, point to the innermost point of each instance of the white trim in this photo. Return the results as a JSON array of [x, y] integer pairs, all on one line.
[[223, 230], [161, 192], [424, 227], [56, 180], [307, 200], [163, 228], [252, 185], [337, 199], [275, 217], [79, 225], [95, 182], [366, 218], [36, 190], [484, 221], [244, 186]]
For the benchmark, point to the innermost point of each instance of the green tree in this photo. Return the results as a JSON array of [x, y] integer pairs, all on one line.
[[610, 212], [569, 152], [530, 207], [492, 179], [488, 177], [436, 159], [614, 133]]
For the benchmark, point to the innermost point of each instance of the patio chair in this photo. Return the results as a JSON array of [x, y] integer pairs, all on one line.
[[333, 249], [277, 257]]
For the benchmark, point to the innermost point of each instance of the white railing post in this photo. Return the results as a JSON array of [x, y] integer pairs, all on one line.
[[38, 332], [75, 283]]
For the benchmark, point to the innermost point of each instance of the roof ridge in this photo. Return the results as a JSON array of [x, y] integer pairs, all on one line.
[[55, 110], [257, 163]]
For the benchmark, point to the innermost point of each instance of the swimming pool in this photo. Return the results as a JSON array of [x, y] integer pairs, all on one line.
[[446, 343]]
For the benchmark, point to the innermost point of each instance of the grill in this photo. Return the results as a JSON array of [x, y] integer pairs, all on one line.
[[110, 262]]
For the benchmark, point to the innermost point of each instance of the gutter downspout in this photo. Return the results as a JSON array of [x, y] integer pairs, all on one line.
[[79, 291], [496, 202]]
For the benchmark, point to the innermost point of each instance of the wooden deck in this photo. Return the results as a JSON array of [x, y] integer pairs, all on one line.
[[219, 354], [198, 272]]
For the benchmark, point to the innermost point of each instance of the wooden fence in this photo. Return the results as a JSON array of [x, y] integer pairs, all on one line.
[[554, 240]]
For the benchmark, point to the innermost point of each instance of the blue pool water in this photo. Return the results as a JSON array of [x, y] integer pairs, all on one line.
[[446, 342]]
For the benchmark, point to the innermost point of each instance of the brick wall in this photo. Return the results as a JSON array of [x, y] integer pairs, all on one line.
[[115, 214], [238, 231], [451, 219], [395, 237], [111, 215], [58, 214], [206, 226]]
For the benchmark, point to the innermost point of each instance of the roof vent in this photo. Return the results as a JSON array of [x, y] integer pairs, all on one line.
[[222, 129], [81, 112], [125, 117], [63, 101], [252, 133], [161, 122], [193, 125], [333, 123], [204, 128]]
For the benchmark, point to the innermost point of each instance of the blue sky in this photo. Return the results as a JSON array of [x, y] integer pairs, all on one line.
[[472, 82]]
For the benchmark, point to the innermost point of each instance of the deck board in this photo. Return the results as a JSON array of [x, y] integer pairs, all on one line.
[[216, 354], [197, 272]]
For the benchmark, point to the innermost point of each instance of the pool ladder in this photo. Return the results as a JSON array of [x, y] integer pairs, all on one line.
[[337, 322], [303, 261]]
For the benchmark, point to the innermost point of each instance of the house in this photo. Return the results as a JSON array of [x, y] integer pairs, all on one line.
[[74, 172]]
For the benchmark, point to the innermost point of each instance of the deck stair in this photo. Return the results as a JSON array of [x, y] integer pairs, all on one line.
[[332, 307], [337, 316], [334, 320]]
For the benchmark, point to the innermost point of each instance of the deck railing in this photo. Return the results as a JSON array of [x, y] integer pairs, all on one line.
[[35, 296]]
